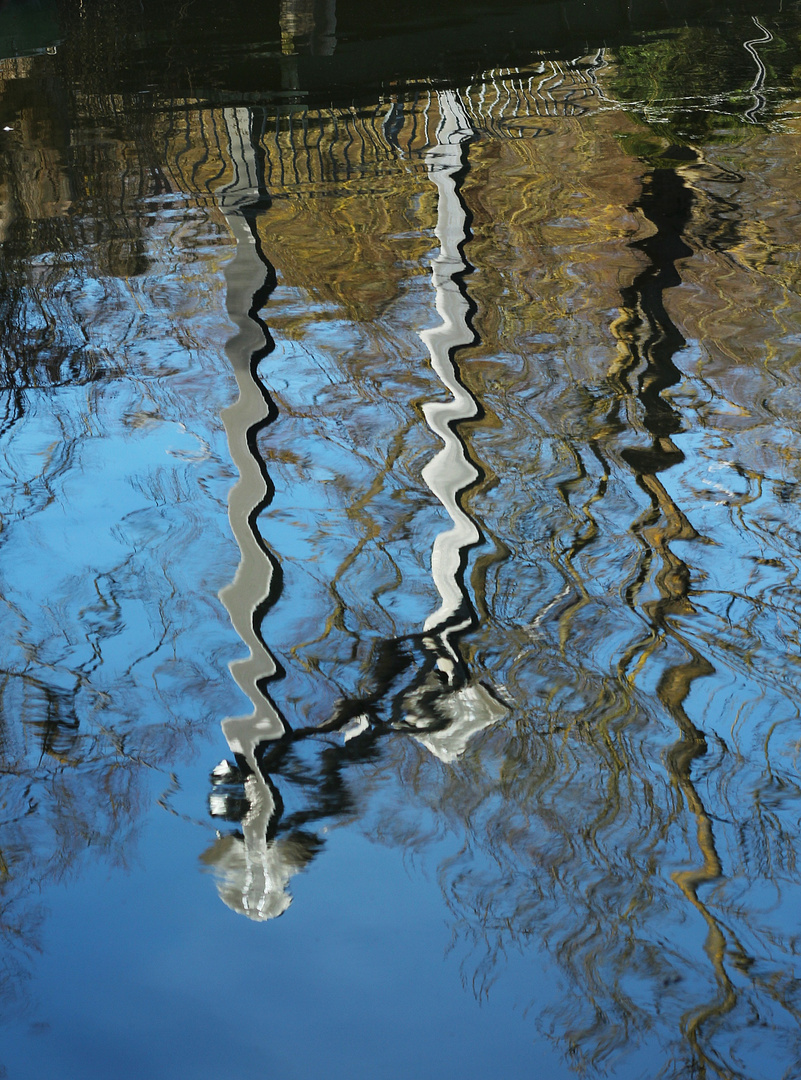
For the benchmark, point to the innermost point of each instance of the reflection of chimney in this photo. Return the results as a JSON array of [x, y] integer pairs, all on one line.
[[324, 39], [450, 473]]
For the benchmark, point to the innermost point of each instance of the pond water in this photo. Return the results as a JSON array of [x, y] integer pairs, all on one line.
[[399, 540]]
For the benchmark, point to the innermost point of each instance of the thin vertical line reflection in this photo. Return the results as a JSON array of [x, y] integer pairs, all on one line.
[[451, 473], [756, 88]]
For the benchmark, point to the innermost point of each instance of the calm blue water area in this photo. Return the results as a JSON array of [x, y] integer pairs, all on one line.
[[181, 986]]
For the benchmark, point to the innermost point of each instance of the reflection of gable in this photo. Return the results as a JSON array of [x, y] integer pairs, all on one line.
[[343, 180], [468, 711]]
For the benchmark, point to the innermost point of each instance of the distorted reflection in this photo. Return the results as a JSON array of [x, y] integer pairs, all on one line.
[[616, 655], [495, 370], [649, 342], [758, 84], [417, 683]]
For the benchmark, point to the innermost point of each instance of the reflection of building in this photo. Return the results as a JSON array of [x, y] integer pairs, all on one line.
[[418, 683], [586, 824], [439, 705], [253, 868]]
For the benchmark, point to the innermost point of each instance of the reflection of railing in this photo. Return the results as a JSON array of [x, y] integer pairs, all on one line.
[[308, 146]]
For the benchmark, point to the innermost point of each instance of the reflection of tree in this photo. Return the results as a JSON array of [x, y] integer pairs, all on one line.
[[60, 225], [649, 340], [573, 826], [608, 879], [668, 75], [91, 709], [69, 795]]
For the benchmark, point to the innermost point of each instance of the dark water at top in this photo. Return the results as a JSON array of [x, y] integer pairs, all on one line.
[[401, 476]]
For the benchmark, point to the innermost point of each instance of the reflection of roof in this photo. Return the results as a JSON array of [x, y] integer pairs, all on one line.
[[28, 27], [257, 889], [469, 711]]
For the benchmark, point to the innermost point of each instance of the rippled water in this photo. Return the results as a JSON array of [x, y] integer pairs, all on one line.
[[399, 535]]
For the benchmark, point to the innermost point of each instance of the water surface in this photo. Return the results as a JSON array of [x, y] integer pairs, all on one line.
[[400, 470]]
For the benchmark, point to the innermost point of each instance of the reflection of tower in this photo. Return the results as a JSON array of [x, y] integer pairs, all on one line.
[[451, 473], [252, 873]]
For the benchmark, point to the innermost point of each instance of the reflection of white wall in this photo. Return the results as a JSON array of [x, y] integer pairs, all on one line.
[[450, 471]]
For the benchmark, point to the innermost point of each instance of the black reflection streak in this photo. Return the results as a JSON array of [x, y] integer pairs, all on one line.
[[251, 214], [653, 341]]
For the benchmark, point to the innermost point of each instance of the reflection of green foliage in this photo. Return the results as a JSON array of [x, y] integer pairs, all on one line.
[[688, 62], [649, 148], [700, 78]]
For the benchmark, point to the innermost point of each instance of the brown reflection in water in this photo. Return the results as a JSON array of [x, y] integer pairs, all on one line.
[[648, 342], [418, 682], [582, 804]]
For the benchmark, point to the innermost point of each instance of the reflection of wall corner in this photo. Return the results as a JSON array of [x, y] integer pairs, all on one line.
[[450, 473], [251, 586]]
